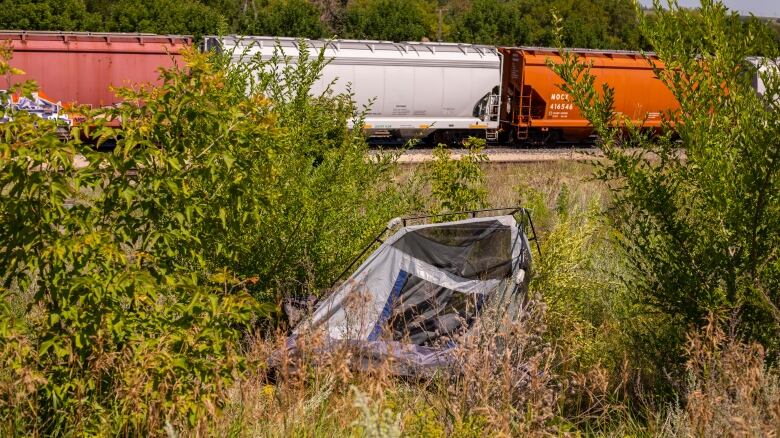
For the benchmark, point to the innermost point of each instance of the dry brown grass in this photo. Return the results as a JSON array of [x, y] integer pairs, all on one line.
[[504, 179], [730, 389], [500, 384]]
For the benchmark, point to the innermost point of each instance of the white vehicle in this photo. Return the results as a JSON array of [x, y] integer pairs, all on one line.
[[440, 92]]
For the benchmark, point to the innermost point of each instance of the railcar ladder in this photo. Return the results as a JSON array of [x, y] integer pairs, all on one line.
[[525, 114], [494, 104], [493, 107]]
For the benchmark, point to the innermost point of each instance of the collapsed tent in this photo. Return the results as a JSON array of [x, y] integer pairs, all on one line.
[[422, 289]]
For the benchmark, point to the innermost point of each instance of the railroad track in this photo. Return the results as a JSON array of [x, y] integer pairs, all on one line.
[[505, 155], [494, 155]]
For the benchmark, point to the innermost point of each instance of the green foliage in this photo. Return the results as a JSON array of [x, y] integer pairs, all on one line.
[[456, 184], [611, 24], [605, 25], [112, 325], [422, 420], [290, 18], [490, 22], [161, 17], [66, 15], [597, 24], [287, 196], [329, 199], [590, 316], [394, 20], [135, 271], [699, 217]]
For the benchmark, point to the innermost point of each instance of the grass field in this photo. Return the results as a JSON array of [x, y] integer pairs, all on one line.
[[573, 367]]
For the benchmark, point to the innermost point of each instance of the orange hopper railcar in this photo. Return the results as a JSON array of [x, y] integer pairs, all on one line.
[[535, 110]]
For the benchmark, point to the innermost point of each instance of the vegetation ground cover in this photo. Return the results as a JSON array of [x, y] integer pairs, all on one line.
[[141, 293]]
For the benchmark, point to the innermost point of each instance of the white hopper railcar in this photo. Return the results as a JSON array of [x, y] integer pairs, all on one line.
[[439, 92], [767, 69]]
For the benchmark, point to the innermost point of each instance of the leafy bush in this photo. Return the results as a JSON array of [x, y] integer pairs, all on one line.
[[129, 278], [456, 184], [330, 197], [105, 315], [284, 189], [697, 207]]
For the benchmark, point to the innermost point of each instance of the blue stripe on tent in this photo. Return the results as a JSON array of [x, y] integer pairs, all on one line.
[[400, 281]]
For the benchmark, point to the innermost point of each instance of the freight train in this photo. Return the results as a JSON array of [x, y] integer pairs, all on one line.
[[444, 92], [435, 92]]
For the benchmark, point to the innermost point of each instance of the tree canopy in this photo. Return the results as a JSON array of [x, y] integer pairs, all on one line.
[[587, 23]]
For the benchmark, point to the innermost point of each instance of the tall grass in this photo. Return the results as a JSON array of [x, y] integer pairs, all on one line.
[[730, 389], [572, 365], [501, 383]]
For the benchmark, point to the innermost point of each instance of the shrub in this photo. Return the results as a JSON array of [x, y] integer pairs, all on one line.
[[134, 273], [112, 335], [696, 207], [284, 189], [456, 184]]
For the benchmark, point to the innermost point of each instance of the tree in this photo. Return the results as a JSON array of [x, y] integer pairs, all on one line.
[[698, 208], [66, 15], [393, 20], [489, 22], [163, 17], [611, 24], [289, 18]]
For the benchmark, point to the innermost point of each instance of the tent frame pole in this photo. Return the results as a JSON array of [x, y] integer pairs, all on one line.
[[377, 239], [534, 239], [473, 213]]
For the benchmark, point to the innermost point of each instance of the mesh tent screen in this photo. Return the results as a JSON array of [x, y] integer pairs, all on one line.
[[477, 250], [431, 315]]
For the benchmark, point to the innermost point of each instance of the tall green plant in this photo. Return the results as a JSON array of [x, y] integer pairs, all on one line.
[[456, 184], [286, 194], [124, 336], [330, 196], [130, 278], [698, 206]]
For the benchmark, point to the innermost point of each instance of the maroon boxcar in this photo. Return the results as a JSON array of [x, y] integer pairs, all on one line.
[[73, 67]]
